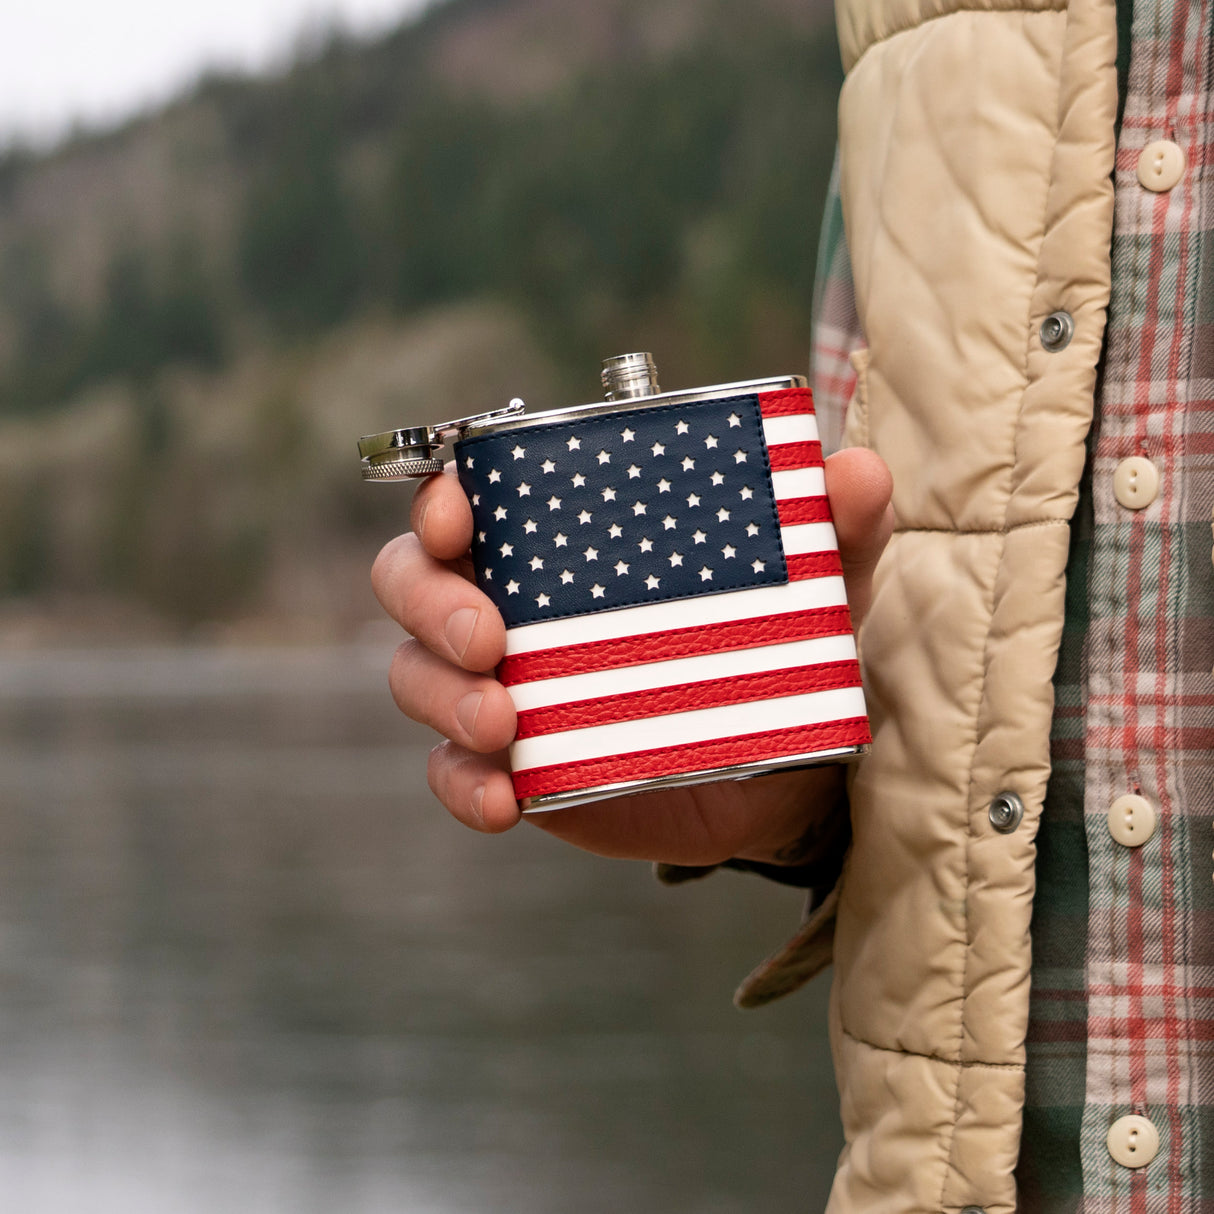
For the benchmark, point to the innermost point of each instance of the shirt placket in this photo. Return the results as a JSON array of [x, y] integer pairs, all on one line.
[[1139, 811]]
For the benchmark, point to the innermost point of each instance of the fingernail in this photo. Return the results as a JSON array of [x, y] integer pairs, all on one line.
[[468, 709], [460, 625], [478, 797], [421, 520]]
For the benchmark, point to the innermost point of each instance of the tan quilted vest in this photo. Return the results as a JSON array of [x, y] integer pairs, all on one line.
[[976, 147]]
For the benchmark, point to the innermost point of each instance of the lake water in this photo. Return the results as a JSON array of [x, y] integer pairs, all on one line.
[[247, 965]]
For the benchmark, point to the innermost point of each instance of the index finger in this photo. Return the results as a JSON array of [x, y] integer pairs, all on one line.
[[441, 516]]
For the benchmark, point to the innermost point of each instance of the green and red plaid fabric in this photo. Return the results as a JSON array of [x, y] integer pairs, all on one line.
[[1122, 1011]]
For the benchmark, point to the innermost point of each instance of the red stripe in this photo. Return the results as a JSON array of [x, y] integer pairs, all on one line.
[[786, 456], [804, 510], [676, 643], [814, 564], [696, 757], [786, 402], [687, 697]]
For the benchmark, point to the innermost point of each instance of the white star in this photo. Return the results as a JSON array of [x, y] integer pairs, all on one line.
[[574, 444], [518, 452], [710, 441], [500, 513], [627, 435], [699, 537], [560, 541], [584, 517], [652, 582], [468, 463], [548, 466], [669, 523], [566, 577], [620, 569], [739, 457], [596, 590], [688, 464], [591, 554], [633, 472], [488, 575], [681, 428], [615, 531], [578, 480], [536, 563], [529, 526], [752, 529], [658, 449], [482, 536], [705, 574], [758, 566], [512, 587], [717, 478], [494, 476], [693, 499], [747, 493], [722, 515], [663, 485], [729, 552], [542, 600], [676, 558], [646, 545], [604, 457], [734, 420], [507, 550], [609, 495], [554, 502], [524, 490], [638, 508], [476, 499]]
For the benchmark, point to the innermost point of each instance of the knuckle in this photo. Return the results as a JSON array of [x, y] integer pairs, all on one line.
[[387, 569]]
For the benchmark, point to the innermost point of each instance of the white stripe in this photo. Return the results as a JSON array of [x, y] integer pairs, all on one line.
[[799, 482], [678, 613], [685, 728], [810, 482], [709, 667], [808, 537], [796, 428]]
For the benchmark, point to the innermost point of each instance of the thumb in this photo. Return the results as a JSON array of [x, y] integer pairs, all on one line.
[[859, 485]]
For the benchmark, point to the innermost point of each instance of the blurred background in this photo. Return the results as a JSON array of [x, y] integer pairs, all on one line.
[[247, 964]]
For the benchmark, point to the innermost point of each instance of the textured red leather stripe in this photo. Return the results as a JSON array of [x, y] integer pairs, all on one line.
[[687, 697], [677, 643], [785, 402], [698, 756], [785, 456], [814, 564], [803, 510]]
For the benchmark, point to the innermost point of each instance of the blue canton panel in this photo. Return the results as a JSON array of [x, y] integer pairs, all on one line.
[[638, 506]]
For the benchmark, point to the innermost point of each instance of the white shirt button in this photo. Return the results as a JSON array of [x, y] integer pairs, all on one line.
[[1161, 165], [1131, 820], [1133, 1141], [1136, 482]]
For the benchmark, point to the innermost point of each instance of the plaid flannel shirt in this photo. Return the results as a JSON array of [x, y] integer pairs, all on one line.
[[1122, 1005]]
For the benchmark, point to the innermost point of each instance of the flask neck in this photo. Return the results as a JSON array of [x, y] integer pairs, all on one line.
[[630, 376]]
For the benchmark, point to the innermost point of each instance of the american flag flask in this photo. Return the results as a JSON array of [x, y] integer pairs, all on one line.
[[669, 576]]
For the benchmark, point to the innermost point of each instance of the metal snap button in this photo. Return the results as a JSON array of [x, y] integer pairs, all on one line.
[[1133, 1141], [1135, 482], [1161, 165], [1006, 812], [1056, 331], [973, 1210], [1131, 820]]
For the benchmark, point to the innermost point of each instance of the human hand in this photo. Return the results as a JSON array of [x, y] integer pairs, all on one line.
[[442, 677]]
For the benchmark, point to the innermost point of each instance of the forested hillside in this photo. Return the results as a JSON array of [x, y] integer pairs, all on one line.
[[201, 311]]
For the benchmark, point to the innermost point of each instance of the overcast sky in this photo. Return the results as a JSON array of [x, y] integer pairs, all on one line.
[[100, 60]]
